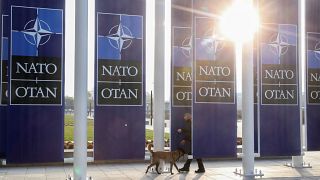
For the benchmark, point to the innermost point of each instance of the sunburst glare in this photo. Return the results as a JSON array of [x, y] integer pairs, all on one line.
[[240, 21]]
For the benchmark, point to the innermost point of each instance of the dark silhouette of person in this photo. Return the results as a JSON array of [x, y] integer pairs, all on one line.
[[186, 144]]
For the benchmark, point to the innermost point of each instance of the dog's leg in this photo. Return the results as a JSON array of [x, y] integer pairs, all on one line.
[[175, 165], [152, 164], [171, 164], [157, 166]]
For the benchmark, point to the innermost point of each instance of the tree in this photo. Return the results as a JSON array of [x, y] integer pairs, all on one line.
[[69, 102]]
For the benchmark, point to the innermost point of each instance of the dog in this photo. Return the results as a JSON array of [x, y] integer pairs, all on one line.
[[167, 156]]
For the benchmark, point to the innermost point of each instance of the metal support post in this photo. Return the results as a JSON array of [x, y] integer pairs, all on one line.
[[159, 72], [247, 110], [80, 94]]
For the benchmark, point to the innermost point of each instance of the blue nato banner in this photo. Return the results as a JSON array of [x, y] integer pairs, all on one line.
[[313, 74], [279, 78], [4, 77], [119, 128], [256, 93], [214, 85], [181, 67], [36, 112]]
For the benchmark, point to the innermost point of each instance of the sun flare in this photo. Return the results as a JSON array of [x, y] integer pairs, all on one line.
[[240, 21]]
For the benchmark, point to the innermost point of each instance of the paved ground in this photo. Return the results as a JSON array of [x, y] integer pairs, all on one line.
[[272, 169]]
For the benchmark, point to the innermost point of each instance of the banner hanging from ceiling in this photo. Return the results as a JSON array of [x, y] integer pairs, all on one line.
[[4, 76], [36, 70], [279, 78], [119, 128], [256, 94], [181, 67], [313, 74], [214, 84]]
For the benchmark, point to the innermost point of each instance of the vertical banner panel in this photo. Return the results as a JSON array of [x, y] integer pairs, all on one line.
[[36, 95], [256, 96], [4, 77], [279, 78], [181, 66], [313, 74], [214, 86], [119, 128]]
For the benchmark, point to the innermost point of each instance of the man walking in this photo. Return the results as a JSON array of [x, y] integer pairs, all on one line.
[[186, 143]]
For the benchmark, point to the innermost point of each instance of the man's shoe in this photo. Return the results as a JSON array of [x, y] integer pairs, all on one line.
[[200, 171], [184, 169]]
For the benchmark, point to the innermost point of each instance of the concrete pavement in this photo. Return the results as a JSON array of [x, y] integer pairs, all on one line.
[[217, 169]]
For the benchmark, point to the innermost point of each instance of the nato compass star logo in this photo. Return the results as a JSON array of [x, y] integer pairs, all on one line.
[[278, 45], [186, 46], [314, 52], [317, 51], [120, 37], [213, 42], [37, 32]]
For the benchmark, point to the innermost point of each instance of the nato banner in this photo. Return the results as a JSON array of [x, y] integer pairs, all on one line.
[[181, 67], [4, 60], [119, 128], [4, 77], [256, 94], [214, 86], [313, 74], [279, 78], [36, 82]]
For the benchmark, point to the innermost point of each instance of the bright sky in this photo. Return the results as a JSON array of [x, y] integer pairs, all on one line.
[[69, 48]]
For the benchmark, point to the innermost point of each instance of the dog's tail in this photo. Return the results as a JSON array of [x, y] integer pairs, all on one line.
[[149, 147]]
